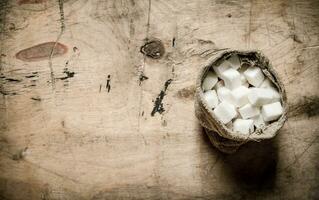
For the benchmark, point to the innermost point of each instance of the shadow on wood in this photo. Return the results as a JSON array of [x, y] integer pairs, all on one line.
[[253, 166]]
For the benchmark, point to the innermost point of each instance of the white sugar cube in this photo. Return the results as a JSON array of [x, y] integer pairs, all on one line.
[[254, 76], [240, 96], [275, 94], [231, 78], [234, 61], [219, 84], [259, 121], [260, 96], [225, 94], [244, 126], [209, 81], [248, 111], [244, 80], [211, 98], [221, 68], [271, 111], [266, 83], [225, 112]]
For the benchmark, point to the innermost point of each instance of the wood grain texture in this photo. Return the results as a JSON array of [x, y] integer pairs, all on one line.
[[79, 126]]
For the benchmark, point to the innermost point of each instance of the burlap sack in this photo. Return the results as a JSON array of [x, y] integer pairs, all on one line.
[[220, 136]]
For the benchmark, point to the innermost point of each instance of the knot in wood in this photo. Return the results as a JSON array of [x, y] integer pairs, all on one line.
[[154, 49]]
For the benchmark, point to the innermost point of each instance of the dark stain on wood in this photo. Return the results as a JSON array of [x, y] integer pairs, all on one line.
[[4, 93], [142, 78], [7, 93], [186, 93], [20, 154], [153, 49], [69, 74], [164, 123], [173, 42], [21, 2], [36, 98], [306, 106], [32, 75], [75, 49], [42, 52], [12, 27], [13, 80], [108, 83], [295, 38], [158, 104]]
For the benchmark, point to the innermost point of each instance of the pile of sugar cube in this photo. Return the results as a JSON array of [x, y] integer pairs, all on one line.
[[242, 98]]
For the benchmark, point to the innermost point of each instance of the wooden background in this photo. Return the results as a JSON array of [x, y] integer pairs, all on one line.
[[76, 123]]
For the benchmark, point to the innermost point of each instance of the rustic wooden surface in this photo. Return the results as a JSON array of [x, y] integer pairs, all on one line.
[[76, 123]]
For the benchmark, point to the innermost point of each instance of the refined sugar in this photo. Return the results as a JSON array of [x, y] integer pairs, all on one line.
[[211, 98], [221, 68], [260, 96], [248, 111], [244, 126], [266, 83], [259, 121], [231, 78], [209, 81], [254, 76], [219, 84], [245, 90], [275, 94], [269, 85], [271, 111], [240, 96], [234, 61], [244, 81], [225, 94], [225, 112]]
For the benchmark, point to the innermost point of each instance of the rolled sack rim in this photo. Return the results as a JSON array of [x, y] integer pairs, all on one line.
[[267, 132]]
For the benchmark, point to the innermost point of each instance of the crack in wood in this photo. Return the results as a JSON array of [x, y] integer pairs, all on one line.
[[36, 98], [3, 13], [108, 83], [13, 80], [57, 40], [250, 21], [141, 72], [158, 104]]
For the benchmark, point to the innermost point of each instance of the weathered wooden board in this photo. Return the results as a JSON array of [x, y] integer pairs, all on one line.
[[78, 122]]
